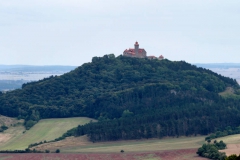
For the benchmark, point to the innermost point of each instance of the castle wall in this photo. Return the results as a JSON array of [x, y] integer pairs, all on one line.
[[135, 52]]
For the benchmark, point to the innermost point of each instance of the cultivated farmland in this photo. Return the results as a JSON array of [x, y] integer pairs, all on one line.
[[15, 129], [78, 148], [233, 144], [139, 145], [81, 144], [183, 154], [47, 129]]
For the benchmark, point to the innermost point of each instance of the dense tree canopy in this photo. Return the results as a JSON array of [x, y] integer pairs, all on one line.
[[130, 96]]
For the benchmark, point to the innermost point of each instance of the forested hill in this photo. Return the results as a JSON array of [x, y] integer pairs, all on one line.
[[123, 87]]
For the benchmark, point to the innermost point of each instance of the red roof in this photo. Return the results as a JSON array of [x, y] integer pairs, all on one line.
[[132, 50], [140, 50], [161, 56]]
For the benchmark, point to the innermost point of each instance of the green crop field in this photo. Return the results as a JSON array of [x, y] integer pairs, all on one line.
[[47, 129], [232, 139], [138, 145]]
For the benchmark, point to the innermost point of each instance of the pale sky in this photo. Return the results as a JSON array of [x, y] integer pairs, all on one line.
[[71, 32]]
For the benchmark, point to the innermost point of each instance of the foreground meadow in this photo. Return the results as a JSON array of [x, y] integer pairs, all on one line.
[[133, 145], [183, 148], [46, 129], [78, 148], [183, 154], [233, 144]]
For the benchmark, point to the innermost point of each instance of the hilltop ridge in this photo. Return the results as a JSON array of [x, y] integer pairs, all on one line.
[[123, 88]]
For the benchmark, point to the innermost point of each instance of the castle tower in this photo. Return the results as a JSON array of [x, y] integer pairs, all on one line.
[[135, 52], [161, 57], [136, 48]]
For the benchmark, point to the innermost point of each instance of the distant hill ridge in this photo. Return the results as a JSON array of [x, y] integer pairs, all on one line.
[[218, 65], [32, 68], [153, 95]]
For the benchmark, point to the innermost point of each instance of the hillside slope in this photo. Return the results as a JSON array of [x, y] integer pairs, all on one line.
[[81, 145], [172, 97], [47, 129]]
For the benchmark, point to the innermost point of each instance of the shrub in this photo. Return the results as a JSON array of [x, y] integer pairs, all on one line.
[[57, 150], [29, 124], [4, 127], [211, 150], [233, 157]]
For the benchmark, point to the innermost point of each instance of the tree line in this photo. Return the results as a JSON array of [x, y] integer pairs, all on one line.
[[132, 98]]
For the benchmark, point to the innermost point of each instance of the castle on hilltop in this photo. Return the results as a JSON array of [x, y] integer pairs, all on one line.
[[137, 52]]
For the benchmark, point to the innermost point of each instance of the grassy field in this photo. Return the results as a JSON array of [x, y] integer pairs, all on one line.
[[233, 144], [144, 145], [47, 129], [229, 92], [232, 139], [80, 144], [80, 148]]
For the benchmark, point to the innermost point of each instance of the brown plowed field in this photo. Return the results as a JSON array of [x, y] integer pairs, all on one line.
[[232, 149], [183, 154]]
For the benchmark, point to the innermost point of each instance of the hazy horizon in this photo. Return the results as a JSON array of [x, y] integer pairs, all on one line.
[[59, 65], [51, 32]]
